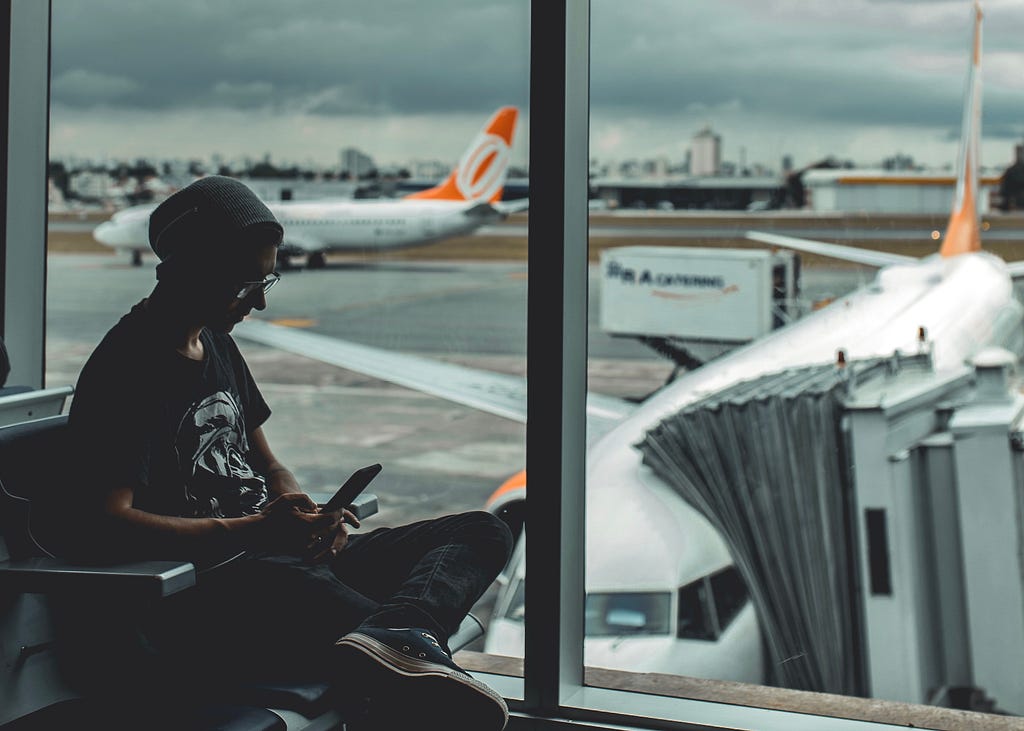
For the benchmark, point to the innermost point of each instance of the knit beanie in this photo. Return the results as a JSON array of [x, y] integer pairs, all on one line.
[[208, 220]]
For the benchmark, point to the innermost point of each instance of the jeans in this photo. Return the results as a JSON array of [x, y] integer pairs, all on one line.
[[279, 614]]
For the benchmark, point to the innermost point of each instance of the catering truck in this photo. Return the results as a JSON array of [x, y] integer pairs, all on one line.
[[698, 300]]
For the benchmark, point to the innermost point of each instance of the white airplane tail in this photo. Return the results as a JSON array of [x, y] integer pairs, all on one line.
[[483, 168], [963, 233]]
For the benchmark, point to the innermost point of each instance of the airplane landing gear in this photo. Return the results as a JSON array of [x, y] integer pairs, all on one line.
[[316, 260], [136, 257]]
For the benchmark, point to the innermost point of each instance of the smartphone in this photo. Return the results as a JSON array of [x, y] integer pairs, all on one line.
[[351, 489]]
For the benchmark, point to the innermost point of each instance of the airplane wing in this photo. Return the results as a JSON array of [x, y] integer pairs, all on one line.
[[483, 210], [513, 206], [1016, 269], [838, 251], [493, 393]]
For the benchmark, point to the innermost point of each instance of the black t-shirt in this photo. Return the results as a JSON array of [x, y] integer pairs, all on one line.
[[175, 430]]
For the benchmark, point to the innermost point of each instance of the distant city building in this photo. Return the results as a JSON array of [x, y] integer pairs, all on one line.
[[629, 168], [656, 167], [705, 153], [355, 163], [899, 162], [428, 169], [95, 186]]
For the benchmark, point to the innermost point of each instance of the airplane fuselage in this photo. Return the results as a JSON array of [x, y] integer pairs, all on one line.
[[641, 538], [326, 226], [964, 303], [360, 225]]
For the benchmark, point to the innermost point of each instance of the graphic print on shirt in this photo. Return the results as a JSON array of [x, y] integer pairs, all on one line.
[[211, 446]]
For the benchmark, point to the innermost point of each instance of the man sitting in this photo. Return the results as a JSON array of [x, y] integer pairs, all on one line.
[[176, 465]]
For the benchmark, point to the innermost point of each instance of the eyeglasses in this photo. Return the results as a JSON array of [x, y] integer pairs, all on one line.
[[247, 288]]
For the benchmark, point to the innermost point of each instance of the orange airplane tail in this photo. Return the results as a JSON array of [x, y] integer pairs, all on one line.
[[963, 233], [483, 167]]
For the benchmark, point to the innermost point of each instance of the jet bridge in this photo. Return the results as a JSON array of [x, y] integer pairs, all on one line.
[[874, 509]]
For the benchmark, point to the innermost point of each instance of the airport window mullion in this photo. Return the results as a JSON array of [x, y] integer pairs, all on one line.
[[557, 350], [25, 142]]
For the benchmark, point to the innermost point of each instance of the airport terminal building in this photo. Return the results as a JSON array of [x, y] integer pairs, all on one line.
[[882, 191]]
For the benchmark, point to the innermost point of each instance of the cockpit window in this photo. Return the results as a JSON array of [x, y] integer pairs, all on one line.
[[708, 605], [628, 614], [730, 595], [696, 615], [612, 615]]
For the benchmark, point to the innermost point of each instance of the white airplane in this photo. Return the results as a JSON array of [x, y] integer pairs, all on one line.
[[469, 198], [662, 591]]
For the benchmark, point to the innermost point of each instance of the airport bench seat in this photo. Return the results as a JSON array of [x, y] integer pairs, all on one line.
[[22, 403], [29, 454]]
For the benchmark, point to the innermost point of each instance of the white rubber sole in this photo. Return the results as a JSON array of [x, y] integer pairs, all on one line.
[[411, 667]]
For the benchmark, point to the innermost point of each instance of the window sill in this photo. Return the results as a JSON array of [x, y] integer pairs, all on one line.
[[760, 696]]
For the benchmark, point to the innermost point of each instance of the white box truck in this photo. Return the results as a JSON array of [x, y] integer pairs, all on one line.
[[696, 294]]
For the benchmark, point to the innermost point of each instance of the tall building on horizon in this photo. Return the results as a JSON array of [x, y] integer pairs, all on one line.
[[706, 153], [355, 163]]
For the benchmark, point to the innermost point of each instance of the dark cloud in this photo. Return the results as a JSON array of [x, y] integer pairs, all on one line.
[[322, 56], [851, 64], [792, 63]]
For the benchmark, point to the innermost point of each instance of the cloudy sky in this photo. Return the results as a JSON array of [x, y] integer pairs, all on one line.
[[412, 79]]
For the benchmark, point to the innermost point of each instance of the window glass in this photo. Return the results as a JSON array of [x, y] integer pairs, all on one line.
[[696, 617], [370, 129], [730, 595], [770, 183], [614, 615]]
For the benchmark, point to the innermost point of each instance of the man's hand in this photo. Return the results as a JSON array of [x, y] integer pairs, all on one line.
[[327, 547], [292, 523]]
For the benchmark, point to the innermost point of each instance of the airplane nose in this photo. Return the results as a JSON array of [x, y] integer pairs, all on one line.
[[105, 233], [114, 233]]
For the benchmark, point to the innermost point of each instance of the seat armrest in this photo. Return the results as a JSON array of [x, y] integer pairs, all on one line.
[[33, 404], [365, 505], [141, 580]]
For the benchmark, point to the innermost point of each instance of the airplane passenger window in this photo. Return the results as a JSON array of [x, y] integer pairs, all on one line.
[[730, 594], [695, 614], [627, 614]]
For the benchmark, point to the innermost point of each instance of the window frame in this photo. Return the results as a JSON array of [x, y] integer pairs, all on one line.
[[26, 143], [552, 690], [552, 687]]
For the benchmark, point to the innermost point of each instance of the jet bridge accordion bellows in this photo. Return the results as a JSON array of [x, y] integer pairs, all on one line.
[[764, 462]]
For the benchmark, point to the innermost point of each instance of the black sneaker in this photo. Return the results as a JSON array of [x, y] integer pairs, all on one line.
[[410, 679]]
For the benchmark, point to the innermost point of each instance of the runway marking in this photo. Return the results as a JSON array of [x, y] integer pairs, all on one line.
[[299, 322]]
